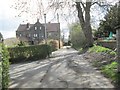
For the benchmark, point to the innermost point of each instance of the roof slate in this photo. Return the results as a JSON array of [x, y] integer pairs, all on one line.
[[49, 26]]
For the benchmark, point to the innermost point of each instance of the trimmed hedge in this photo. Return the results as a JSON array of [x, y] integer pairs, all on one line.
[[4, 67], [25, 53]]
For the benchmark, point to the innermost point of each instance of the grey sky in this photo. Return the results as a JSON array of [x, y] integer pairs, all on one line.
[[9, 23]]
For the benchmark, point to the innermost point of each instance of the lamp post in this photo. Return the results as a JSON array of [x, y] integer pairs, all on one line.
[[45, 29]]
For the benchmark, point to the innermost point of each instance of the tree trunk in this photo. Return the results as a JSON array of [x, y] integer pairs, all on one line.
[[85, 22]]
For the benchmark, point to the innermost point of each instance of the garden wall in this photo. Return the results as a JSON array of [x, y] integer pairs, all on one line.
[[109, 44]]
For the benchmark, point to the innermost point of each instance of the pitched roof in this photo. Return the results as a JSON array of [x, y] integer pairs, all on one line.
[[23, 27], [52, 26], [49, 26]]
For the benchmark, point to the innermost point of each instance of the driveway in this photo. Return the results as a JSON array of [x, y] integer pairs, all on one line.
[[65, 69]]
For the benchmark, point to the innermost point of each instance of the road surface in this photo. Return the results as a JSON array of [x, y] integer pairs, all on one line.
[[65, 69]]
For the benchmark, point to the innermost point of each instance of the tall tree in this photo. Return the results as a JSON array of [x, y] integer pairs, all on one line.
[[83, 9], [76, 35], [85, 21], [110, 20]]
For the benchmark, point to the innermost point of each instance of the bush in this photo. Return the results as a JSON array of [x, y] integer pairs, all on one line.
[[4, 66], [25, 53], [21, 43], [77, 36], [55, 44]]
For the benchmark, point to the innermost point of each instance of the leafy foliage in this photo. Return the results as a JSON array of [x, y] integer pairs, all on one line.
[[55, 44], [21, 43], [4, 68], [110, 21], [77, 36], [110, 70], [101, 49], [18, 54]]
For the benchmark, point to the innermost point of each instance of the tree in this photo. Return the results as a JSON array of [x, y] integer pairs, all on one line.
[[83, 12], [110, 20], [76, 35]]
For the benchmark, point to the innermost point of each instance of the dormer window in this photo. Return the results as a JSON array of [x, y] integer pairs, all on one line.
[[35, 28]]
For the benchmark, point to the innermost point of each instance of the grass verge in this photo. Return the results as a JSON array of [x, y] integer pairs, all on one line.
[[109, 69]]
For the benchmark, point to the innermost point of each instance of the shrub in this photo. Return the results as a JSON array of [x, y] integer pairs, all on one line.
[[4, 67], [110, 70], [77, 36], [21, 43], [18, 54], [55, 44]]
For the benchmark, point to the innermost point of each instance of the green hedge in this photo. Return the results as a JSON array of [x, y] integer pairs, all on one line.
[[25, 53], [4, 66]]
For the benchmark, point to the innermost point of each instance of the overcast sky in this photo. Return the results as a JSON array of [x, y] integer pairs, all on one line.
[[9, 23]]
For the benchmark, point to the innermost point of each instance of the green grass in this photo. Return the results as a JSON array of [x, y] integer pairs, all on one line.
[[109, 70], [100, 49]]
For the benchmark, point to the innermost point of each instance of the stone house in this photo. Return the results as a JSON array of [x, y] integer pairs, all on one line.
[[35, 33]]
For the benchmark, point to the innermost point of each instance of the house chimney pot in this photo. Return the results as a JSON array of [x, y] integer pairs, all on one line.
[[37, 20], [28, 25]]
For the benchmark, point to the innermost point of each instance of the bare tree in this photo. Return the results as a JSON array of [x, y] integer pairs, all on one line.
[[72, 7]]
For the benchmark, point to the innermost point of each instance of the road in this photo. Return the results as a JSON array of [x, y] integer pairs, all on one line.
[[65, 69]]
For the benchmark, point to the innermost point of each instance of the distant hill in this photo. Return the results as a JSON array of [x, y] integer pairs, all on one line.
[[11, 41]]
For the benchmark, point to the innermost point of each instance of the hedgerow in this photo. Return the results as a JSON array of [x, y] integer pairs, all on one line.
[[25, 53], [4, 67]]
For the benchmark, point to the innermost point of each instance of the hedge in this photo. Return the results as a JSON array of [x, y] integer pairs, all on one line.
[[25, 53], [4, 66]]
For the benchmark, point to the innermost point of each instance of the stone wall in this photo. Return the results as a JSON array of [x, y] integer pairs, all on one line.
[[109, 44]]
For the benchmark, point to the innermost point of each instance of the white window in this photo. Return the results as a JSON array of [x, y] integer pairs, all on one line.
[[40, 28], [29, 35], [20, 35], [35, 35], [35, 28]]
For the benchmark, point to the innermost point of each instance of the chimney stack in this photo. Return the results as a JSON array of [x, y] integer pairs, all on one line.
[[37, 20], [28, 25]]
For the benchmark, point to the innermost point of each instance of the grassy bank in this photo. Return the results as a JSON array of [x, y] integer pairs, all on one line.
[[107, 64], [104, 59]]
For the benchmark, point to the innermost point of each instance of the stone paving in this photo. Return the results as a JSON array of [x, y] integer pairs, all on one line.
[[65, 69]]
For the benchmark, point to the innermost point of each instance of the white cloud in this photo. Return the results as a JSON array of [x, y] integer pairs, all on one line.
[[8, 34]]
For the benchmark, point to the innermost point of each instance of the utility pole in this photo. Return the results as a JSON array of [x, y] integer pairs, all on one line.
[[58, 28], [45, 29]]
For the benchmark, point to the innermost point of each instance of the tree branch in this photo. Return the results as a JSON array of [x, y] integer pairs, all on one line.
[[80, 14]]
